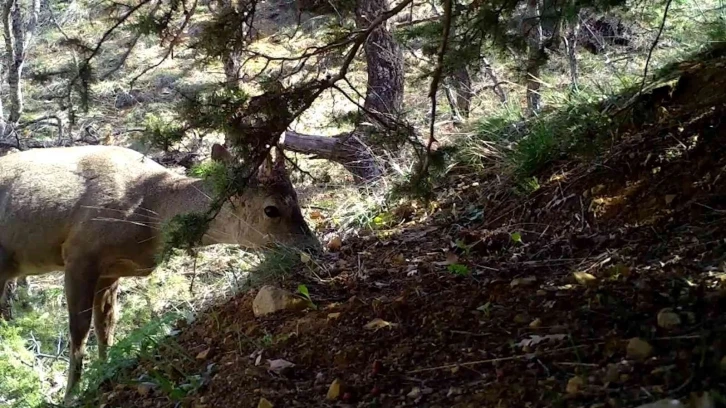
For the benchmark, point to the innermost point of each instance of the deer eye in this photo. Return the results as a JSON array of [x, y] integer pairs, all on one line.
[[272, 211]]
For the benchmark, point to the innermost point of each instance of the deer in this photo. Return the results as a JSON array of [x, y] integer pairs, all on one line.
[[96, 213]]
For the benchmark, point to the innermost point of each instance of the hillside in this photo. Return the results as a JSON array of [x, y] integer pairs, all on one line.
[[604, 287]]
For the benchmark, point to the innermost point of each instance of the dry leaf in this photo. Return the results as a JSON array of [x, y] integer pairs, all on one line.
[[203, 354], [333, 316], [574, 385], [526, 281], [535, 339], [304, 257], [335, 243], [264, 403], [376, 324], [638, 349], [276, 366], [334, 390], [584, 278]]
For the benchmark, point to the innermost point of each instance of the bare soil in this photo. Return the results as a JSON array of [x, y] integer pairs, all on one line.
[[514, 327]]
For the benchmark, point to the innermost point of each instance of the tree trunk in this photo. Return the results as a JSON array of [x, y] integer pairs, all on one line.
[[496, 84], [384, 60], [18, 34], [459, 93], [382, 106], [573, 27], [535, 57], [347, 149], [231, 69]]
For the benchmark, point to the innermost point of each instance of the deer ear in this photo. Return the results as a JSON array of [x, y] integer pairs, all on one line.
[[221, 154]]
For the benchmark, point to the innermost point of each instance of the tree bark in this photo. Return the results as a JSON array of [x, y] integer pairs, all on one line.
[[18, 34], [573, 28], [382, 106], [534, 56], [384, 60]]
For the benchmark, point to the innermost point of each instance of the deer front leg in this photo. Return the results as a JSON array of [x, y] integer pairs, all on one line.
[[80, 284], [104, 314]]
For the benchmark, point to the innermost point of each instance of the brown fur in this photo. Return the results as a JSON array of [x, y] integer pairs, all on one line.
[[95, 212]]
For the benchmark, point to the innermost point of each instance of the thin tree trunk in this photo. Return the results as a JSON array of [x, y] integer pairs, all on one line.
[[383, 101], [534, 56], [496, 83], [18, 35], [573, 27], [231, 70]]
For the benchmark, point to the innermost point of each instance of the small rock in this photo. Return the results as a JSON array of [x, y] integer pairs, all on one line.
[[664, 403], [415, 393], [145, 388], [584, 278], [271, 299], [574, 385], [612, 374], [668, 319], [335, 243], [334, 390], [526, 281], [536, 323], [264, 403], [638, 349]]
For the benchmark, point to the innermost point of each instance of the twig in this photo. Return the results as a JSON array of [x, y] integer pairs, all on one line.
[[655, 42], [497, 360]]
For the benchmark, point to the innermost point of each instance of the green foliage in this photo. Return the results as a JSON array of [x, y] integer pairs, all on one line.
[[303, 291], [161, 133], [183, 231], [124, 354], [459, 269], [516, 237], [575, 126], [20, 383], [214, 172], [211, 110]]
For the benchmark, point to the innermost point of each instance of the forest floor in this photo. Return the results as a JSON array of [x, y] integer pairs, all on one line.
[[605, 287]]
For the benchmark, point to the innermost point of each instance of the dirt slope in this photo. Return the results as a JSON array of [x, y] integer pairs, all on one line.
[[646, 223]]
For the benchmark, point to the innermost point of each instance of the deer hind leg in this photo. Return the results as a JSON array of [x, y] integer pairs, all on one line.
[[104, 313], [80, 283], [8, 272]]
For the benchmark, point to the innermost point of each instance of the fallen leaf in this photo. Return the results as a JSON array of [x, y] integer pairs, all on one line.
[[451, 258], [669, 198], [315, 214], [414, 393], [333, 316], [526, 281], [536, 323], [305, 258], [278, 365], [335, 243], [203, 354], [574, 385], [376, 324], [264, 403], [584, 278], [334, 390], [535, 339], [638, 349]]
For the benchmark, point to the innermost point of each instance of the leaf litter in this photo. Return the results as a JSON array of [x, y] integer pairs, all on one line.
[[643, 324]]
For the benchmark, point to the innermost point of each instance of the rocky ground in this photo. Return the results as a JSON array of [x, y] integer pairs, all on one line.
[[604, 288]]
